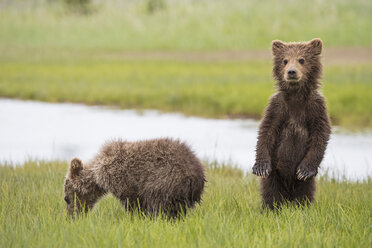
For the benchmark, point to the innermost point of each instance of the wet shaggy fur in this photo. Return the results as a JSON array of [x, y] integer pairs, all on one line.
[[154, 175], [295, 130]]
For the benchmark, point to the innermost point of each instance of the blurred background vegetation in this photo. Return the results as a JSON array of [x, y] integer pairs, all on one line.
[[182, 24], [201, 57]]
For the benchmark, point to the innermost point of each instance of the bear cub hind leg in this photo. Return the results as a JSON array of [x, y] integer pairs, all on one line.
[[273, 191]]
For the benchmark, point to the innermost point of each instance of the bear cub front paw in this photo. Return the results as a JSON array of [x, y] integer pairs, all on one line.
[[305, 172], [262, 168]]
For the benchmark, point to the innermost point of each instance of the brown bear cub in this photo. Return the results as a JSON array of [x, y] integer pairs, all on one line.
[[159, 175], [295, 129]]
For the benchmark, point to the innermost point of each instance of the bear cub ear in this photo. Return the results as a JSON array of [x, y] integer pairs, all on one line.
[[316, 46], [277, 46], [76, 166]]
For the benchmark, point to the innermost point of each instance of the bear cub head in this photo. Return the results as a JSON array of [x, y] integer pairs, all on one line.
[[79, 192], [297, 64]]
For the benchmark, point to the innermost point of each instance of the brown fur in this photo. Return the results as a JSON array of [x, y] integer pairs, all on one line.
[[295, 130], [154, 175]]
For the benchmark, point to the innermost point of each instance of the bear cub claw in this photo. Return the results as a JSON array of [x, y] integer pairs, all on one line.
[[306, 172], [262, 168]]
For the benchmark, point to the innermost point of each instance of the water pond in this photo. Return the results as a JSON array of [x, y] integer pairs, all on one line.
[[35, 130]]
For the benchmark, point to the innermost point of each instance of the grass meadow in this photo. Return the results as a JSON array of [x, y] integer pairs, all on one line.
[[50, 54], [32, 214], [184, 24], [208, 89]]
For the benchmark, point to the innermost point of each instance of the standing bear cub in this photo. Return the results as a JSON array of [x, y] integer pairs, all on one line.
[[160, 175], [295, 130]]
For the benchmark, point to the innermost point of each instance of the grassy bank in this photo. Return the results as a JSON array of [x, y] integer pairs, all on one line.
[[32, 213], [50, 54], [209, 89], [184, 24]]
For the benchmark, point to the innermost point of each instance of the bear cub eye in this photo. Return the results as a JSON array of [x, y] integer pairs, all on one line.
[[67, 200], [285, 61], [302, 61]]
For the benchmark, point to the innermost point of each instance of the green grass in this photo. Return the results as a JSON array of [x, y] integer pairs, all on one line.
[[49, 55], [185, 25], [32, 214], [208, 89]]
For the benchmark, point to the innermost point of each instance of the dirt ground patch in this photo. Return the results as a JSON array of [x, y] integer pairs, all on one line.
[[330, 55]]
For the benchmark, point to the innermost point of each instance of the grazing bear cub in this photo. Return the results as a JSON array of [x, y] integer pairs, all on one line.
[[160, 175], [294, 132]]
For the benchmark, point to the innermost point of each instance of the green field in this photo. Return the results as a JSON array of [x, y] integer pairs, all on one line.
[[49, 54], [184, 24], [208, 89], [124, 56], [32, 214]]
